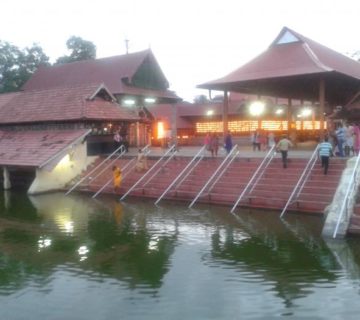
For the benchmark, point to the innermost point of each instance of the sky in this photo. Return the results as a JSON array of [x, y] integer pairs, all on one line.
[[194, 41]]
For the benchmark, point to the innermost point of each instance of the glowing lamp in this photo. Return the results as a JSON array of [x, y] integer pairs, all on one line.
[[150, 100], [256, 108], [306, 112], [129, 102]]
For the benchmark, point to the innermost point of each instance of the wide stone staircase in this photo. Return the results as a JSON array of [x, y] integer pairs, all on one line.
[[271, 191]]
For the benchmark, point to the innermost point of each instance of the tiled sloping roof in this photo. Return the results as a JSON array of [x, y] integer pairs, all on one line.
[[111, 71], [61, 104], [107, 70], [34, 148], [291, 59], [331, 59], [100, 109], [149, 92], [6, 97]]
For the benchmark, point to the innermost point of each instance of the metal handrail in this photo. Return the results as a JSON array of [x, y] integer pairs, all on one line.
[[123, 169], [191, 170], [223, 171], [309, 171], [159, 169], [271, 156], [251, 180], [108, 165], [179, 175], [93, 170], [148, 172], [311, 163], [345, 203], [213, 175]]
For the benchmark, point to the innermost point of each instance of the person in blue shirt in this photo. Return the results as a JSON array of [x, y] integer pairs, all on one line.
[[340, 137], [325, 152], [228, 144]]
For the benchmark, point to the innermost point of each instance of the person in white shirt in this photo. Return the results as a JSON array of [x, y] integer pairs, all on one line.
[[325, 152], [283, 146]]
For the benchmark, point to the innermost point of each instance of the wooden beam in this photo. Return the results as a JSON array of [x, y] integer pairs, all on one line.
[[289, 115], [225, 113], [322, 104]]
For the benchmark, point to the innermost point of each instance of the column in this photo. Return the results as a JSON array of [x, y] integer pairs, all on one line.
[[322, 104], [289, 115], [6, 175], [225, 113], [137, 134], [174, 123]]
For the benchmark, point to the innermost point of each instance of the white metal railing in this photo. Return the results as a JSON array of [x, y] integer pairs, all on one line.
[[94, 169], [302, 180], [260, 169], [186, 169], [272, 154], [145, 150], [171, 149], [223, 171], [213, 175], [348, 195], [160, 168]]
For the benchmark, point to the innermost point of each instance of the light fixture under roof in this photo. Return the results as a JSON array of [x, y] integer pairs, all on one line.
[[129, 102], [150, 100]]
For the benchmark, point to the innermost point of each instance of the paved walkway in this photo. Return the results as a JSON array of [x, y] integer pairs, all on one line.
[[301, 151]]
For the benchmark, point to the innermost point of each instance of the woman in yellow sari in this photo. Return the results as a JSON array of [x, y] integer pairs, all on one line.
[[117, 177]]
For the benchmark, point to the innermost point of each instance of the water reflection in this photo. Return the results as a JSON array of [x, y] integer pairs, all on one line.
[[169, 253], [275, 256]]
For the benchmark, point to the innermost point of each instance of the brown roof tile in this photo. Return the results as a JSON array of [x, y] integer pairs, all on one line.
[[112, 71], [61, 104], [108, 70], [34, 148], [293, 70]]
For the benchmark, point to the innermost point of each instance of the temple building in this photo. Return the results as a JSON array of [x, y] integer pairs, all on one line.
[[66, 114], [297, 86]]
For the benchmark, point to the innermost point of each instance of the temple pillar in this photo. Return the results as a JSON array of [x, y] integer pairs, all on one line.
[[137, 134], [174, 123], [225, 113], [6, 175], [322, 104], [289, 115]]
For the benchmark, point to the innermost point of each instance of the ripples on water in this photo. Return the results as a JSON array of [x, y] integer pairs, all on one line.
[[75, 258]]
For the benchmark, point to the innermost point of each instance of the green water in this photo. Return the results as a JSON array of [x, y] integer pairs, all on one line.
[[76, 258]]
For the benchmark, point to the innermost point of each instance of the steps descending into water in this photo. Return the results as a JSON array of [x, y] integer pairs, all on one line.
[[271, 191]]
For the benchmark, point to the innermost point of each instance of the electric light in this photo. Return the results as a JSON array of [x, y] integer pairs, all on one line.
[[256, 108], [306, 112], [160, 130], [129, 102], [209, 112], [150, 100]]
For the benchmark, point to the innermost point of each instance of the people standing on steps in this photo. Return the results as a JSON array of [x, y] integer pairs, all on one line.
[[117, 177], [228, 144], [283, 146], [214, 145], [141, 164], [325, 152], [340, 137]]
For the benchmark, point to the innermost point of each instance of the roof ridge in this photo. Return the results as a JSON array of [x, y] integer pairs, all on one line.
[[314, 57]]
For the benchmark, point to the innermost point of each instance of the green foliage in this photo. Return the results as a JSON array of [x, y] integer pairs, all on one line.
[[80, 50], [17, 66]]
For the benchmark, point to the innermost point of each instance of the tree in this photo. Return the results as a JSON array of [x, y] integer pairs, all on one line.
[[80, 50], [17, 66], [201, 99]]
